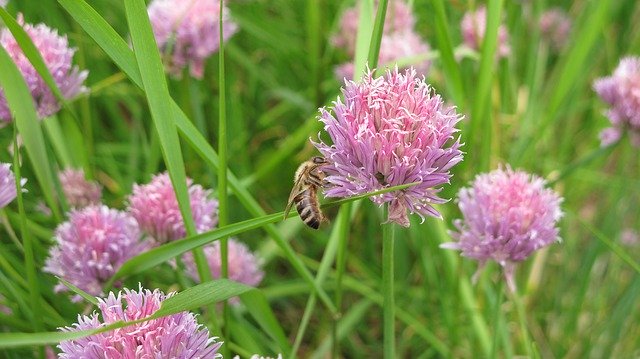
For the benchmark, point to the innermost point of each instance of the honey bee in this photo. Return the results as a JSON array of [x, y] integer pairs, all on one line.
[[304, 194]]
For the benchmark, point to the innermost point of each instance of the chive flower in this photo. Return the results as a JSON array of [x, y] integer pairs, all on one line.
[[473, 28], [3, 3], [188, 32], [77, 190], [8, 191], [58, 57], [155, 206], [388, 131], [176, 336], [243, 265], [507, 215], [555, 26], [622, 92], [91, 246]]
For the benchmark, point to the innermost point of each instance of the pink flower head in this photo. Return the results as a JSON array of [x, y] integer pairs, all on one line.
[[8, 191], [78, 191], [390, 130], [507, 215], [91, 246], [243, 265], [473, 27], [400, 49], [177, 336], [155, 207], [188, 32], [555, 27], [3, 3], [57, 56], [622, 92], [399, 19]]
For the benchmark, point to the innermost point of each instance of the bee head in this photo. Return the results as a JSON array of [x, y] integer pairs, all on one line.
[[319, 160]]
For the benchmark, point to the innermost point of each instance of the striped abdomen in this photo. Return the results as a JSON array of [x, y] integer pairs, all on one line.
[[308, 207]]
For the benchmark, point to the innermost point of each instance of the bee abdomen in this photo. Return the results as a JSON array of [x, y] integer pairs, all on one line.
[[307, 207]]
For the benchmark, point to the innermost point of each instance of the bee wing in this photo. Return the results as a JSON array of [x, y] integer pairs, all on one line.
[[297, 187]]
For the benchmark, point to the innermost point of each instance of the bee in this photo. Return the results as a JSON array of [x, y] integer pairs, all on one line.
[[308, 179]]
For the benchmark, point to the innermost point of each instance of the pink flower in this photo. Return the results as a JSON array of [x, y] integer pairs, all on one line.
[[177, 336], [78, 191], [622, 92], [8, 190], [243, 265], [390, 130], [3, 3], [507, 215], [57, 56], [155, 207], [91, 246], [188, 32], [398, 49], [555, 27], [473, 28], [399, 19]]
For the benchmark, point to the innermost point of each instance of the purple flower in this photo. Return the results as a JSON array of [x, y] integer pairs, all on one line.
[[507, 215], [401, 49], [473, 28], [243, 265], [57, 56], [622, 92], [177, 336], [78, 191], [555, 27], [629, 237], [155, 207], [188, 32], [390, 130], [8, 190], [91, 246], [399, 19]]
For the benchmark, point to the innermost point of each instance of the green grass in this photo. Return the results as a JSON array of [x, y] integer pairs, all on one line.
[[244, 129]]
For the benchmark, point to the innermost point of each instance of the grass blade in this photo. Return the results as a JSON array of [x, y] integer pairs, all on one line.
[[189, 299], [28, 125]]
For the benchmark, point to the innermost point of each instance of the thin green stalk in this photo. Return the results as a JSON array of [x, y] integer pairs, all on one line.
[[341, 261], [480, 113], [376, 36], [497, 321], [28, 244], [342, 225], [314, 46], [522, 321], [223, 212], [7, 227], [388, 307]]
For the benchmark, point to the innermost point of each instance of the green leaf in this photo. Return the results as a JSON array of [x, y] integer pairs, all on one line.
[[189, 299], [173, 249], [258, 306], [26, 120], [155, 86], [88, 297]]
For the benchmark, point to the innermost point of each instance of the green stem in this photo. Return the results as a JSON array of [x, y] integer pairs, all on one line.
[[522, 321], [376, 37], [388, 237], [28, 243], [222, 176], [341, 261], [497, 320]]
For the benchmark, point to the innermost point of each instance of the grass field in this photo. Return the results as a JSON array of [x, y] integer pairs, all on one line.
[[243, 128]]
